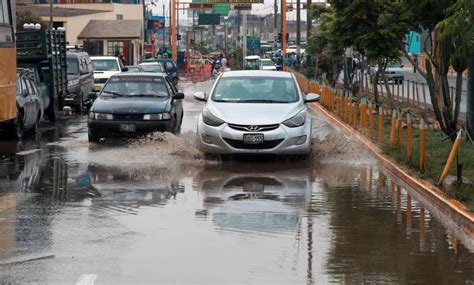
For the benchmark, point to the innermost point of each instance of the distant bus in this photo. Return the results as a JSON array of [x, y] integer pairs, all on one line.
[[7, 63]]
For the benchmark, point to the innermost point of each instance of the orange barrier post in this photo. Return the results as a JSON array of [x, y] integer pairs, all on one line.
[[381, 134], [354, 121], [363, 112], [371, 121], [451, 157], [399, 130], [394, 128], [409, 136], [422, 146]]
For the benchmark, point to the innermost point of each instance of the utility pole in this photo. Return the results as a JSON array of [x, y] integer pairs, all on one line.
[[275, 28], [298, 28], [308, 31], [174, 35], [244, 45], [144, 22], [283, 31], [50, 15]]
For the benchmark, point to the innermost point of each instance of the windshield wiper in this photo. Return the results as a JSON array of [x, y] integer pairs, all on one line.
[[148, 95], [260, 101], [114, 93]]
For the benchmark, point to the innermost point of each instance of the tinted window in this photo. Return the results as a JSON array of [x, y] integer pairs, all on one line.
[[256, 89], [19, 85], [136, 86], [72, 66], [105, 65], [151, 67]]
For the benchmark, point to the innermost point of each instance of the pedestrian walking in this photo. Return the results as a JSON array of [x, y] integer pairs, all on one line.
[[415, 60]]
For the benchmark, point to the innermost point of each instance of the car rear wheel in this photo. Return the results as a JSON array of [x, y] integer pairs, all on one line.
[[17, 128], [93, 138], [53, 110]]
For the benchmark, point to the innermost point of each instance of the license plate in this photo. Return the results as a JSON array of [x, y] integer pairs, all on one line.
[[129, 128], [253, 187], [253, 139]]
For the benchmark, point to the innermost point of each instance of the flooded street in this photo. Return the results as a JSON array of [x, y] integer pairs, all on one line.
[[158, 211]]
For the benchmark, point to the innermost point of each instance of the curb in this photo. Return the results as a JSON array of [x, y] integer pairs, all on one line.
[[450, 207]]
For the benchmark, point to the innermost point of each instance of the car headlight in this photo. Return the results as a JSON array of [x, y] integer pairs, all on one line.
[[72, 82], [296, 121], [157, 117], [211, 120], [100, 116]]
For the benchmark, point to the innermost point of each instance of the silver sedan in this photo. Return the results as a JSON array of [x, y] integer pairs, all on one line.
[[255, 112]]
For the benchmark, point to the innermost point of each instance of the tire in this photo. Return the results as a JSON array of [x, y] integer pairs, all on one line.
[[17, 129], [53, 110], [93, 138]]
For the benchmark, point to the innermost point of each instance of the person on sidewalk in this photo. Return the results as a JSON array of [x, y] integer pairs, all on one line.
[[415, 60]]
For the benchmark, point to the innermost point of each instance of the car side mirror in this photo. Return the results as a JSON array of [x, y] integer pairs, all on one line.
[[179, 95], [125, 69], [311, 97], [200, 96]]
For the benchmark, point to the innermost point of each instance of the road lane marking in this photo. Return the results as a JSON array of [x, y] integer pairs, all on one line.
[[87, 279]]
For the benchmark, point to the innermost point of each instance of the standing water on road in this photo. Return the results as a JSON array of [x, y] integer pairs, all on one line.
[[157, 211]]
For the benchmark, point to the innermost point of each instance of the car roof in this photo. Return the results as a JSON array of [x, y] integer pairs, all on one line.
[[104, 57], [76, 54], [266, 59], [252, 57], [151, 74], [150, 63], [257, 73]]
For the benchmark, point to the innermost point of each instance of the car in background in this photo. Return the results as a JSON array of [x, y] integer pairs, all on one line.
[[393, 71], [104, 67], [169, 66], [252, 62], [255, 112], [80, 77], [29, 104], [133, 68], [153, 67], [135, 104], [267, 64]]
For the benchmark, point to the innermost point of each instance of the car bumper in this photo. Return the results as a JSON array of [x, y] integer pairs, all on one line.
[[112, 129], [281, 141], [395, 76]]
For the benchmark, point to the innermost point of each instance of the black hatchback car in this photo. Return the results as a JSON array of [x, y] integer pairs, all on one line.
[[134, 104]]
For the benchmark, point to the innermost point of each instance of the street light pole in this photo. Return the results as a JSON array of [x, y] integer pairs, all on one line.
[[50, 14]]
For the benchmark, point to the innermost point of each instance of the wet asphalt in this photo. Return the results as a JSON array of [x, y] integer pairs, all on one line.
[[158, 211]]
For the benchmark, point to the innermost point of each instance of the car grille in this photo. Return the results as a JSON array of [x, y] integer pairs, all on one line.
[[100, 80], [266, 145], [257, 128], [128, 117]]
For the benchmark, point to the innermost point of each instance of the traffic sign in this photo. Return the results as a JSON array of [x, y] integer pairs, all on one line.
[[243, 6], [221, 9], [209, 19], [201, 6], [253, 43]]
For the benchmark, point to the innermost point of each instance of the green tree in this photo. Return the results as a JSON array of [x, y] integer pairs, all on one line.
[[443, 48], [27, 17], [459, 26]]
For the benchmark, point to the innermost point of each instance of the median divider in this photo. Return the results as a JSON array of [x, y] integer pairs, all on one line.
[[356, 114]]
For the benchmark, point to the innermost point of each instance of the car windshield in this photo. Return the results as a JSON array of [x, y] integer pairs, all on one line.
[[105, 65], [72, 66], [267, 62], [255, 90], [136, 86], [151, 67], [133, 69], [251, 62]]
